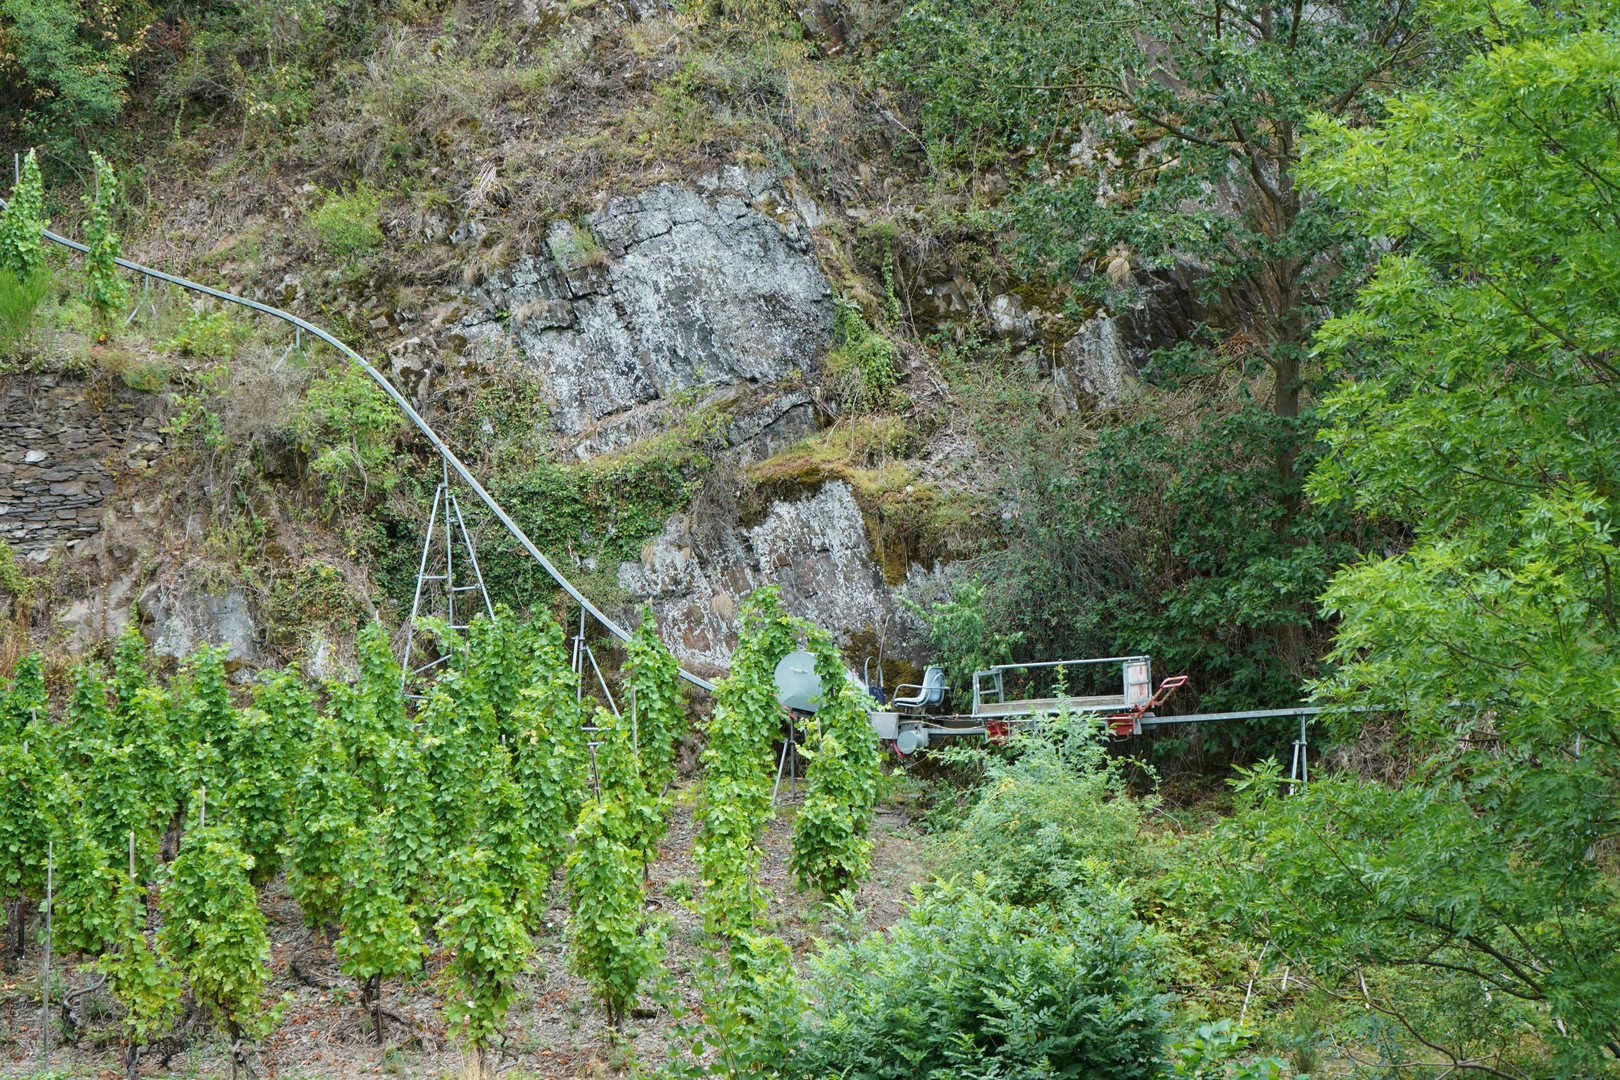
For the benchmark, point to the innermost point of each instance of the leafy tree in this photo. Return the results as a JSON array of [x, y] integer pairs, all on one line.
[[1471, 907], [108, 291], [213, 925], [380, 938], [737, 768], [67, 64], [831, 847], [145, 981], [21, 223]]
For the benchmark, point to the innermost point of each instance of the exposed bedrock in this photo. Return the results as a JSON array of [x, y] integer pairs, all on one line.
[[815, 549], [677, 288]]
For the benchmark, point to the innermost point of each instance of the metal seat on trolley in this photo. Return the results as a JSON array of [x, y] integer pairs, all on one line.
[[930, 693]]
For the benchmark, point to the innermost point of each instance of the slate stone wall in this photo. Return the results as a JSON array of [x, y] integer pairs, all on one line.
[[61, 451]]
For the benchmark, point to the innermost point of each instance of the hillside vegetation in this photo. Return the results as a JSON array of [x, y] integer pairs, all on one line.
[[1274, 341]]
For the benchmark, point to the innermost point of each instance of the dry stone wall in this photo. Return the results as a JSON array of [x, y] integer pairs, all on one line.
[[61, 450]]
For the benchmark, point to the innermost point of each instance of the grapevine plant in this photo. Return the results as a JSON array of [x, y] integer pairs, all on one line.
[[737, 763], [831, 847]]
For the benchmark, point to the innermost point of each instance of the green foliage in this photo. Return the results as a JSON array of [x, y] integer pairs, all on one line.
[[1208, 1056], [348, 429], [751, 1006], [607, 508], [737, 769], [204, 333], [968, 986], [84, 905], [380, 938], [24, 700], [22, 222], [862, 363], [614, 947], [329, 799], [549, 759], [143, 979], [25, 783], [130, 677], [108, 292], [652, 680], [960, 634], [832, 851], [1471, 909], [347, 224], [488, 943], [259, 766], [67, 64], [1053, 820], [213, 925], [19, 300]]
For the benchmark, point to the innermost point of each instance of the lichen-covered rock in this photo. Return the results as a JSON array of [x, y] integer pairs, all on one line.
[[675, 288], [816, 549]]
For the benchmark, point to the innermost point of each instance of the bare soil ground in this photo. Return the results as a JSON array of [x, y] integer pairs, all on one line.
[[555, 1029]]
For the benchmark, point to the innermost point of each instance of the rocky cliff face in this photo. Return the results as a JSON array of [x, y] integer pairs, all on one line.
[[815, 549], [678, 289]]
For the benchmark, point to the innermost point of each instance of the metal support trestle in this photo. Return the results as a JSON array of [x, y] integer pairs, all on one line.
[[448, 570]]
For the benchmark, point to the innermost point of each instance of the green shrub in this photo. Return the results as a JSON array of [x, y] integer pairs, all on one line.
[[20, 298], [1054, 819], [347, 224], [203, 334], [22, 222], [966, 986], [862, 364]]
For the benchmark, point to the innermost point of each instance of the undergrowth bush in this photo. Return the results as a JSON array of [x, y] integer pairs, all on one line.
[[20, 298], [347, 224], [1054, 818], [970, 987]]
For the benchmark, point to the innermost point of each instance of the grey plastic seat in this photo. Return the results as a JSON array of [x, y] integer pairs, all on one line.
[[930, 693]]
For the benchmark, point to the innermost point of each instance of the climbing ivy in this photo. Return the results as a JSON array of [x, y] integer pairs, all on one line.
[[831, 847]]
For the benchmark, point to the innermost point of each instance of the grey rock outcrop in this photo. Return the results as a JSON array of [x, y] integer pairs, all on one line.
[[1100, 364], [673, 289], [176, 620], [816, 549]]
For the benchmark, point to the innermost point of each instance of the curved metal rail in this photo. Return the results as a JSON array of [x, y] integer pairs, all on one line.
[[405, 407]]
